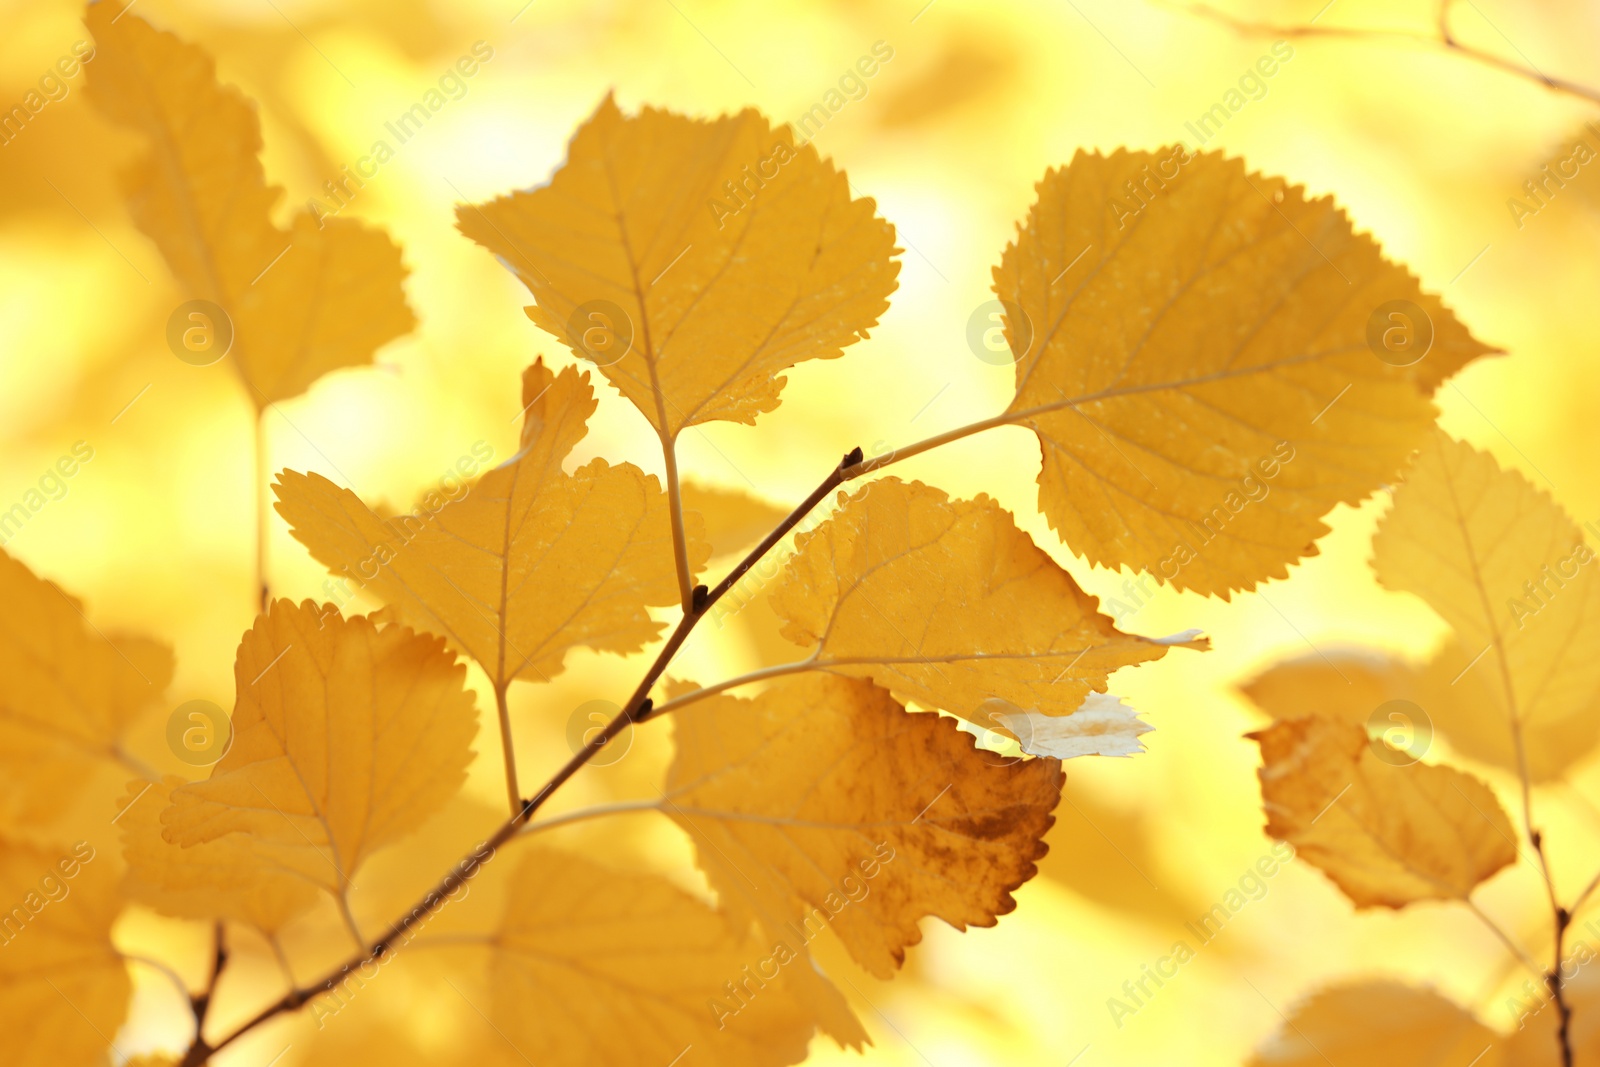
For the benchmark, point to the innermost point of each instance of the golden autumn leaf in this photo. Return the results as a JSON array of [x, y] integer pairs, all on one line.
[[946, 603], [346, 736], [1467, 702], [68, 694], [1387, 830], [692, 260], [599, 967], [1199, 374], [822, 803], [1510, 571], [231, 877], [734, 521], [529, 563], [1380, 1024], [65, 987], [320, 295], [1449, 694], [1341, 683]]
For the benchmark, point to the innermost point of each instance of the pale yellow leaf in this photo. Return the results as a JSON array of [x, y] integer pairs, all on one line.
[[320, 295], [529, 563], [231, 877], [1510, 571], [692, 309], [946, 603], [1453, 695], [1388, 831], [68, 694], [1467, 702], [1102, 726], [822, 803], [346, 736], [63, 987], [1341, 683], [1198, 370], [600, 968], [1380, 1024]]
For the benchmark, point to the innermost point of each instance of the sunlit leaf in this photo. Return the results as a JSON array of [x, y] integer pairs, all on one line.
[[232, 877], [693, 261], [68, 694], [323, 294], [1195, 361], [823, 793], [948, 604], [345, 736], [596, 966], [63, 986], [529, 562], [1379, 1024], [1387, 830], [1510, 571]]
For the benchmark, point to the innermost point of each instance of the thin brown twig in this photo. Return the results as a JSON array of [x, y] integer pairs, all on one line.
[[200, 1003], [636, 710], [1444, 39]]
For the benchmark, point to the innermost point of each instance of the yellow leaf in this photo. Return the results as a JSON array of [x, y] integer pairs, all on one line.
[[1510, 572], [1379, 1024], [1198, 370], [1450, 695], [1341, 683], [946, 603], [322, 295], [1467, 702], [68, 694], [600, 968], [1102, 726], [346, 736], [692, 261], [1388, 831], [231, 877], [63, 987], [529, 563], [734, 521], [822, 803]]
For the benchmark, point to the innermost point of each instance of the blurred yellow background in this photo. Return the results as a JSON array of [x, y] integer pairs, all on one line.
[[1423, 149]]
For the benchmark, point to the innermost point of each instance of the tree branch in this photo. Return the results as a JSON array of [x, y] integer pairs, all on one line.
[[1557, 991], [1444, 39], [637, 709], [811, 662], [200, 1003], [171, 975], [598, 811], [1505, 938]]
